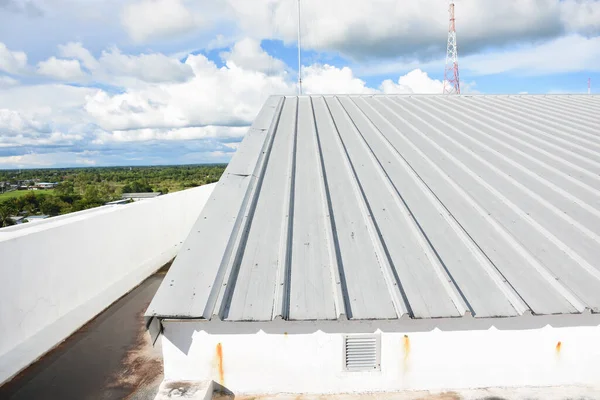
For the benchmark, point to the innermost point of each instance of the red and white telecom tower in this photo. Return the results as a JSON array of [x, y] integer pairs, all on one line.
[[451, 78]]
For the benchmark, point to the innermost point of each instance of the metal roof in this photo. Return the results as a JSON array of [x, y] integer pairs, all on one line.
[[145, 195], [379, 207]]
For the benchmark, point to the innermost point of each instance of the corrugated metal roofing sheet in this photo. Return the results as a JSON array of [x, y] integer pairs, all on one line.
[[377, 207]]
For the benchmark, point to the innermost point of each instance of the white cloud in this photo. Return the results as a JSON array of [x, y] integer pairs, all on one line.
[[13, 123], [66, 70], [75, 50], [327, 79], [210, 104], [248, 54], [567, 54], [175, 134], [389, 29], [43, 160], [43, 115], [22, 6], [220, 41], [153, 67], [13, 62], [581, 16], [113, 65], [415, 81], [191, 109], [51, 99], [85, 161], [7, 81], [18, 160], [148, 19], [215, 96]]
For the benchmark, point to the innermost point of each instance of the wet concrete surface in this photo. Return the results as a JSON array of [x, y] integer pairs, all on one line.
[[109, 358]]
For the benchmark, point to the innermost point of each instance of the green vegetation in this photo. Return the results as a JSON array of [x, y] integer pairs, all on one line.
[[83, 188], [20, 193]]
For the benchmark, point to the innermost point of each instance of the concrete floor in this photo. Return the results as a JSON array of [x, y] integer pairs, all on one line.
[[109, 358]]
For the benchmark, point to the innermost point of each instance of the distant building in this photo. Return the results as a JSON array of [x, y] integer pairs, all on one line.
[[35, 218], [118, 202], [46, 185], [140, 196], [4, 187]]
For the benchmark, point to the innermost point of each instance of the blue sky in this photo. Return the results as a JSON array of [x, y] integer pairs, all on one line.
[[139, 82]]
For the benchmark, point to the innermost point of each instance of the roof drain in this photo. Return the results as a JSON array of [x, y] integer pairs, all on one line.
[[362, 353]]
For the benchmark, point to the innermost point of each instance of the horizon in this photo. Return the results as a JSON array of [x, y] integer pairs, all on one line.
[[111, 166]]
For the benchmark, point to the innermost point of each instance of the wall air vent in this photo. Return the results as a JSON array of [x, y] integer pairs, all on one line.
[[362, 352]]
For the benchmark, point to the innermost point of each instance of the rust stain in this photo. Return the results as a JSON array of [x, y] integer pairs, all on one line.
[[558, 347], [220, 360], [406, 356], [140, 366], [406, 345]]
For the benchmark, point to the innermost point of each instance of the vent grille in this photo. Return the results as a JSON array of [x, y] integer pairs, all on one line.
[[362, 353]]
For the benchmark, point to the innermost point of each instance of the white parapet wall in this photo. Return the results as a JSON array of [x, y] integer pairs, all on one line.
[[60, 273], [267, 360]]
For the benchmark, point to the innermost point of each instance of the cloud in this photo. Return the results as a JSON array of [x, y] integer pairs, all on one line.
[[38, 116], [7, 81], [248, 54], [22, 6], [567, 54], [148, 19], [199, 117], [114, 65], [75, 50], [581, 16], [328, 79], [175, 134], [147, 67], [41, 160], [66, 70], [13, 123], [220, 41], [415, 81], [415, 30], [193, 103], [51, 99], [13, 62], [156, 111]]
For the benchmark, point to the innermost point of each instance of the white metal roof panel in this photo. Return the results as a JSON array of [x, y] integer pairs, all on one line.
[[379, 207]]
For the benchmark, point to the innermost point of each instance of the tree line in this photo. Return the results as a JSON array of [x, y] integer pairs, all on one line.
[[83, 188]]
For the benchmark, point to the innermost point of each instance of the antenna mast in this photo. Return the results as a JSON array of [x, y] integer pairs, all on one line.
[[299, 54], [451, 78]]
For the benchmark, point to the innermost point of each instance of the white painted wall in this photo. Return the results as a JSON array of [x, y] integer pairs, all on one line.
[[59, 273], [263, 363]]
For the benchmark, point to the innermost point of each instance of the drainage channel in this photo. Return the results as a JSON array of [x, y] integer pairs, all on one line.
[[111, 357]]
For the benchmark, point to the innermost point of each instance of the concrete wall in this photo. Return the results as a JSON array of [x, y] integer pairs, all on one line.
[[59, 273], [268, 363]]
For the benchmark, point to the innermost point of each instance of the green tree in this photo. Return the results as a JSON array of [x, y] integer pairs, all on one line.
[[5, 214], [107, 191], [52, 205], [65, 188], [137, 187], [29, 203]]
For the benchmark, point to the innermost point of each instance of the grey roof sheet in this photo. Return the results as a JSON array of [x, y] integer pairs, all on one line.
[[377, 207]]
